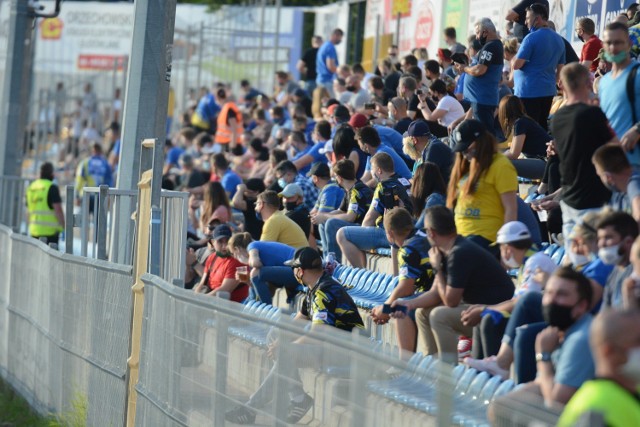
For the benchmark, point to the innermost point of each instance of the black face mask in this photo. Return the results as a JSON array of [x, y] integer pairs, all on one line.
[[483, 40], [558, 316], [581, 38], [290, 206]]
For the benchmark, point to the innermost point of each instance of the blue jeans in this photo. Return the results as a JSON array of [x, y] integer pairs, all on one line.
[[277, 276], [485, 114], [328, 233], [366, 238]]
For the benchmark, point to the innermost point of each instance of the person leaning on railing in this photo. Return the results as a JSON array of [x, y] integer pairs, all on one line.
[[46, 219]]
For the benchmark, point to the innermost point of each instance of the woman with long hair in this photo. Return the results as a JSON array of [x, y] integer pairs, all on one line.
[[483, 185], [215, 207], [346, 147], [427, 189]]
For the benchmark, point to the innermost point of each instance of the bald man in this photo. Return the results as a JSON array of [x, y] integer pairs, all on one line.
[[615, 343]]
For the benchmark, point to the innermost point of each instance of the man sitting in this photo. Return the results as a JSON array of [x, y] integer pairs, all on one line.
[[277, 227], [327, 304], [294, 207]]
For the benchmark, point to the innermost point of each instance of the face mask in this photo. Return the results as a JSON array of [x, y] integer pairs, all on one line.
[[511, 262], [610, 255], [617, 58], [532, 28], [258, 216], [581, 39], [390, 115], [282, 183], [631, 369], [290, 206], [578, 259], [558, 316], [482, 40]]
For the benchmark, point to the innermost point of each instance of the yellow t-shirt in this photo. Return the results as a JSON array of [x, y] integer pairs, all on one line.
[[618, 407], [280, 228], [482, 213]]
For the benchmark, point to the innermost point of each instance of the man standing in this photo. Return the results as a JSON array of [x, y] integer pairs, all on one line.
[[537, 70], [307, 65], [46, 219], [585, 30], [450, 40], [229, 123], [482, 80], [93, 172], [327, 61], [327, 304]]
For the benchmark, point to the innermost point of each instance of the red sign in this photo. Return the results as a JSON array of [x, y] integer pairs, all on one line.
[[100, 62], [424, 27]]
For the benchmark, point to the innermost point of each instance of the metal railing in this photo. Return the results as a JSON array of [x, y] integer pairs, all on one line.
[[13, 201]]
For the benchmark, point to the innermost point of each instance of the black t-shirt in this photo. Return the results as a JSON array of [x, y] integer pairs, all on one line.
[[578, 130], [309, 58], [403, 125], [535, 143], [196, 179], [570, 55], [53, 196], [357, 200], [391, 82], [521, 10], [252, 224], [474, 269], [413, 106], [300, 216]]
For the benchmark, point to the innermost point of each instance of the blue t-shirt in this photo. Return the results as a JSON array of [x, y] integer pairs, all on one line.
[[615, 104], [207, 108], [399, 164], [598, 271], [326, 51], [484, 89], [272, 254], [527, 217], [99, 170], [391, 138], [543, 50], [621, 201], [316, 154], [301, 154], [230, 180], [460, 84], [174, 155], [330, 198], [573, 361]]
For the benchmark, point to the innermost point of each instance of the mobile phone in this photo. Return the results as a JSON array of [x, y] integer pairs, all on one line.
[[370, 106], [387, 309]]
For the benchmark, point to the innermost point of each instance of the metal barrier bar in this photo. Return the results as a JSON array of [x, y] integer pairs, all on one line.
[[70, 220], [103, 207]]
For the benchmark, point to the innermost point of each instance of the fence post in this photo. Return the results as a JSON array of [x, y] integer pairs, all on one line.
[[101, 235], [70, 221], [156, 241]]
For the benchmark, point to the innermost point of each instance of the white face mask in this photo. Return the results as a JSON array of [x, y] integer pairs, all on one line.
[[390, 115], [631, 369], [610, 255], [578, 259], [511, 262]]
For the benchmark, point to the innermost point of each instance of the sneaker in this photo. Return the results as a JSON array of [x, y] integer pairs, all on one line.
[[488, 365], [297, 410], [240, 415], [464, 348]]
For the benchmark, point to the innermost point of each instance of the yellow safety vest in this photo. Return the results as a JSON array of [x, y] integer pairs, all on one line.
[[42, 219]]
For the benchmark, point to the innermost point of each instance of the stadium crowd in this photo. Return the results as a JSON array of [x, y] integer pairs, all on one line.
[[432, 158]]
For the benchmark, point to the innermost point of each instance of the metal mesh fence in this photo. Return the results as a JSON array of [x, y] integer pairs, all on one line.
[[68, 321]]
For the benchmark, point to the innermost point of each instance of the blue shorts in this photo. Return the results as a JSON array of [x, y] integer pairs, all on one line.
[[366, 238]]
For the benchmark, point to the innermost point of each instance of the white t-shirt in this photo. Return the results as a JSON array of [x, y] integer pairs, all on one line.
[[453, 110]]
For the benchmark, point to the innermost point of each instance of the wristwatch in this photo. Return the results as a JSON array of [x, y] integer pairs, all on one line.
[[543, 357]]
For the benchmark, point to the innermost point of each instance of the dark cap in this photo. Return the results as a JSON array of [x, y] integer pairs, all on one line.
[[223, 230], [321, 170], [418, 128], [467, 132], [305, 258], [255, 184]]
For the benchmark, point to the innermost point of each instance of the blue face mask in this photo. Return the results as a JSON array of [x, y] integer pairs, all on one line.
[[282, 183], [258, 216]]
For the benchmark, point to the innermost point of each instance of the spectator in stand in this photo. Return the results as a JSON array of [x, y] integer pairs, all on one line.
[[185, 144], [482, 79], [220, 269], [363, 76], [517, 15], [275, 157], [483, 185], [537, 70], [285, 88], [585, 30], [204, 117], [262, 128], [346, 147], [215, 206], [340, 90], [422, 54], [578, 130], [113, 154], [307, 65], [563, 358], [613, 394], [260, 155], [245, 201], [451, 42], [511, 47], [427, 189], [414, 278], [331, 194], [422, 146], [389, 193], [277, 227], [407, 87], [447, 110], [229, 123], [407, 62], [266, 261], [298, 147], [344, 71], [294, 208], [321, 134], [190, 178], [327, 61], [464, 274], [369, 142], [250, 95], [222, 172], [616, 173], [397, 108], [389, 137], [93, 171], [570, 55], [355, 204], [360, 96], [444, 59], [287, 173], [612, 90], [390, 75], [379, 93]]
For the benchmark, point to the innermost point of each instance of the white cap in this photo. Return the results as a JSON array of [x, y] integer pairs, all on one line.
[[328, 147], [540, 261], [512, 232]]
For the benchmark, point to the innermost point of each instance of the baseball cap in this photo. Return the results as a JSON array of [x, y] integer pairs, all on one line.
[[466, 133], [513, 231], [358, 121], [223, 230], [291, 190], [328, 147], [305, 258], [321, 170], [417, 128]]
